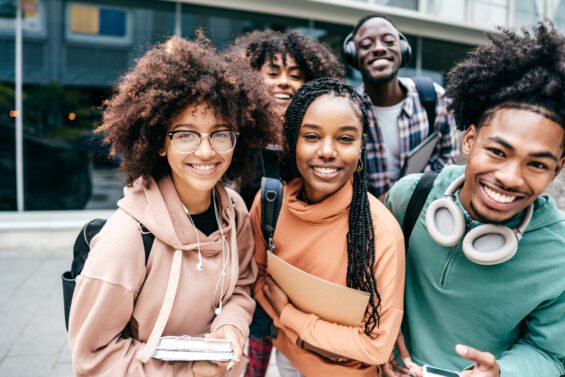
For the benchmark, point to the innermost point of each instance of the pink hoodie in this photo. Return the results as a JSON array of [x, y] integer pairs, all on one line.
[[118, 299]]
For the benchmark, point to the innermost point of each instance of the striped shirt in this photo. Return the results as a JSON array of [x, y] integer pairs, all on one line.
[[413, 128]]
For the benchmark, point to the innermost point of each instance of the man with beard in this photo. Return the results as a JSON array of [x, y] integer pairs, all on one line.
[[485, 281], [399, 122]]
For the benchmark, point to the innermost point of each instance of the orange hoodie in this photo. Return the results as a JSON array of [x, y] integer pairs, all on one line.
[[118, 299], [313, 238]]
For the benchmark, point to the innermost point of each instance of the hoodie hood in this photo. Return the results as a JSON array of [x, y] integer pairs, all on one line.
[[160, 210]]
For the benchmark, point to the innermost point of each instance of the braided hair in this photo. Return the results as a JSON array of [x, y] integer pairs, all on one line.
[[360, 236]]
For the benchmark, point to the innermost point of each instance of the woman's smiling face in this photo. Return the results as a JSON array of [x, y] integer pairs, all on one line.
[[200, 170], [283, 78], [329, 146]]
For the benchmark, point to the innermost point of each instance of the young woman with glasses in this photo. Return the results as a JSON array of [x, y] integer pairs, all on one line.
[[183, 120]]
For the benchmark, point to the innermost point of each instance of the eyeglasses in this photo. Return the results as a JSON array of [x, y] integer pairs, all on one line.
[[185, 142]]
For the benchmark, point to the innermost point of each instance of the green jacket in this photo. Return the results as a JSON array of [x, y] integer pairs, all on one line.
[[514, 310]]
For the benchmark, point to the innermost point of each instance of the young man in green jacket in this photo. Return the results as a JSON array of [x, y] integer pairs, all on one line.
[[485, 300]]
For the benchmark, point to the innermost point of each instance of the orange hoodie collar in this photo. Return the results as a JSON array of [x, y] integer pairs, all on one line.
[[328, 210]]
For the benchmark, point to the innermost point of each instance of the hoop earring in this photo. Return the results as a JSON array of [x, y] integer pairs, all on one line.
[[360, 167]]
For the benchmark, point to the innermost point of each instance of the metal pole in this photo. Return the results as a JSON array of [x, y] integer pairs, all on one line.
[[178, 20], [19, 112]]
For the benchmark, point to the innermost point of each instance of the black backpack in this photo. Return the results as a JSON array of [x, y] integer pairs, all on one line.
[[81, 249], [428, 98], [416, 203], [271, 201]]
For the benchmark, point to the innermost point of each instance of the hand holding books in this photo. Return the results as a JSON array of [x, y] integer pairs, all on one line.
[[186, 348], [223, 347], [235, 336]]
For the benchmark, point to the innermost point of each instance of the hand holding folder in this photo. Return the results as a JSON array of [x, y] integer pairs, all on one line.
[[329, 301]]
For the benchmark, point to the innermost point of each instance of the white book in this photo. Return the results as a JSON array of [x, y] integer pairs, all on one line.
[[172, 355], [187, 348]]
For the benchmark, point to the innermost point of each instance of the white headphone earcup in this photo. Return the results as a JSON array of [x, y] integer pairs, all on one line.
[[445, 222], [490, 244]]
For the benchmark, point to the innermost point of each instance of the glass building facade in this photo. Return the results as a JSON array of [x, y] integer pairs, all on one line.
[[74, 51]]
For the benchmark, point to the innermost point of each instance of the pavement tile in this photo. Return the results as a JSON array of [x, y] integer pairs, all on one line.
[[62, 370], [27, 366]]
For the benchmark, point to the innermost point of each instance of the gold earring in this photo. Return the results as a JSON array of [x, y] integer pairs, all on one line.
[[360, 167]]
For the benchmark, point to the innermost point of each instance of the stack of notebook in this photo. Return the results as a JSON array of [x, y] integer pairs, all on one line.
[[186, 348]]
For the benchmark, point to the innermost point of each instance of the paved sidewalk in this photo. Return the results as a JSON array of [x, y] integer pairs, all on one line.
[[34, 340]]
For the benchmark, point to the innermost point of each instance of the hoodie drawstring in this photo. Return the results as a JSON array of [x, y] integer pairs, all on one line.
[[234, 274], [147, 350]]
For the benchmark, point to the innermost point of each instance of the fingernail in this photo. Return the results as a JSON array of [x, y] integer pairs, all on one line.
[[462, 349], [407, 361], [229, 369]]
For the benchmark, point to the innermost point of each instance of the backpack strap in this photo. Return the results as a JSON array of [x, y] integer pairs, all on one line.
[[148, 239], [416, 203], [271, 201], [428, 99]]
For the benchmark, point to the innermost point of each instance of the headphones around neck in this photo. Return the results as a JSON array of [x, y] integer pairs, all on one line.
[[350, 49], [486, 244]]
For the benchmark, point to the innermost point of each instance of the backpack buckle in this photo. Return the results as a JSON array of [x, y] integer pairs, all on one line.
[[271, 245]]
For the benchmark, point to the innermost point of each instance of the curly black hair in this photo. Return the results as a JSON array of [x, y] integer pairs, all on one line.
[[516, 70], [313, 58], [361, 236], [167, 79]]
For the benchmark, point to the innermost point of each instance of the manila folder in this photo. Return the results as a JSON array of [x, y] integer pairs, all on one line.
[[329, 301]]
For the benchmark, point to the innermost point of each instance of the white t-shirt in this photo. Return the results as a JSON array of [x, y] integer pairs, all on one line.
[[387, 119]]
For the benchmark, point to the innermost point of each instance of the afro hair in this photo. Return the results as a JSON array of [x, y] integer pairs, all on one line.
[[523, 70], [167, 79]]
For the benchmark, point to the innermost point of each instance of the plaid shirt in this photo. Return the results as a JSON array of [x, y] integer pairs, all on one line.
[[413, 128]]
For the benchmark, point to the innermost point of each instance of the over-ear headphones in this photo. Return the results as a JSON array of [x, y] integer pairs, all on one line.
[[486, 244], [350, 49]]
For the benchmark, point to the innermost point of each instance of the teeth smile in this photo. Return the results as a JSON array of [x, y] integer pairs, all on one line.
[[203, 167], [325, 170], [281, 95], [499, 197]]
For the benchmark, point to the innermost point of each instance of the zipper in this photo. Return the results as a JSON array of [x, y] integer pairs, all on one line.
[[454, 253], [447, 265]]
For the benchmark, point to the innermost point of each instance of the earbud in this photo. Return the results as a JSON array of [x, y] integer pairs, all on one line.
[[218, 310], [199, 266]]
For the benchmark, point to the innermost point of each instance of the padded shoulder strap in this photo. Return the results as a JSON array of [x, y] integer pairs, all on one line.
[[416, 203], [271, 201], [148, 239], [428, 98]]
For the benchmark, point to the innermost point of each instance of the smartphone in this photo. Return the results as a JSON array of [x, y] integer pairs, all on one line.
[[430, 371]]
